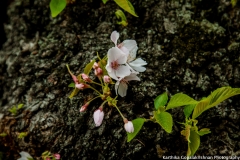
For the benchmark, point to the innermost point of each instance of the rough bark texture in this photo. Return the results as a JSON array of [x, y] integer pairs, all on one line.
[[190, 46]]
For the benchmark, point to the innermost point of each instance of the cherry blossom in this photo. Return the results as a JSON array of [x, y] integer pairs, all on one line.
[[57, 156], [86, 77], [129, 47], [129, 127], [98, 117], [84, 107], [121, 85], [106, 79], [115, 65]]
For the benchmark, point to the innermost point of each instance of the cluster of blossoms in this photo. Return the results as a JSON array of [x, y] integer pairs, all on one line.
[[121, 65]]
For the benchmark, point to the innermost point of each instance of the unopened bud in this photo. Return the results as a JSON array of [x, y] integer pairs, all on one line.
[[86, 77], [75, 79], [81, 86], [106, 79], [98, 117], [57, 156], [84, 107], [98, 71], [129, 126], [95, 65]]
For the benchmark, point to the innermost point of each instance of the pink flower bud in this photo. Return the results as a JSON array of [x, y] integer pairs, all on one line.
[[98, 117], [75, 79], [81, 86], [106, 79], [129, 127], [98, 71], [57, 156], [86, 77], [84, 107], [95, 65], [48, 158]]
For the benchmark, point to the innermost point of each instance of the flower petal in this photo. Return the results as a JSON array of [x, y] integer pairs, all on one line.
[[129, 44], [115, 54], [122, 89], [114, 37], [113, 75], [123, 71], [132, 76], [138, 65], [138, 62]]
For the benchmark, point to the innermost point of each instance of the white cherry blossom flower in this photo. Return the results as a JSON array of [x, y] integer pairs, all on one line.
[[115, 65], [121, 85], [129, 47]]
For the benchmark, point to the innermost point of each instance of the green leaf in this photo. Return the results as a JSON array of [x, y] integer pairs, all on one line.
[[120, 15], [180, 99], [234, 2], [127, 6], [164, 119], [188, 110], [13, 110], [74, 92], [186, 132], [214, 99], [204, 131], [3, 134], [104, 1], [88, 67], [137, 124], [57, 6], [46, 153], [20, 106], [194, 143], [22, 134], [72, 85], [161, 100]]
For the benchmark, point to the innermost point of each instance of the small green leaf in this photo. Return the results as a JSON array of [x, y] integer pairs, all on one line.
[[22, 134], [104, 1], [3, 134], [72, 85], [20, 106], [161, 100], [46, 153], [204, 131], [121, 16], [57, 6], [88, 67], [165, 120], [13, 110], [234, 2], [127, 6], [194, 143], [74, 92], [186, 132], [188, 109], [214, 99], [180, 99], [137, 124]]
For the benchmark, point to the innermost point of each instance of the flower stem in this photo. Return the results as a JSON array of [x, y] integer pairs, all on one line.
[[96, 83], [94, 98], [120, 112], [95, 90]]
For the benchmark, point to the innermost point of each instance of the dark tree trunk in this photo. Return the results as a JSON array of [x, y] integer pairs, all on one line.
[[190, 47]]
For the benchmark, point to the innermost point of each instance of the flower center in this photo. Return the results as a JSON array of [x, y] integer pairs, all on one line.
[[114, 65]]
